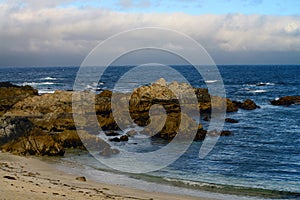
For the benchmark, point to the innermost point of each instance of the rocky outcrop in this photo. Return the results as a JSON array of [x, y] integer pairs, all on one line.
[[34, 142], [13, 127], [18, 135], [286, 101], [43, 124], [11, 94]]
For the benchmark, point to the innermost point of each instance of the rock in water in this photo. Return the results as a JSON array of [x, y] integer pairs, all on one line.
[[286, 101], [124, 138], [248, 104], [230, 120]]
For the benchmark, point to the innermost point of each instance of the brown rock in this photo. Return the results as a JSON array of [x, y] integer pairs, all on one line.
[[34, 143], [124, 138], [248, 104], [286, 101], [13, 127], [226, 133], [11, 94], [81, 178]]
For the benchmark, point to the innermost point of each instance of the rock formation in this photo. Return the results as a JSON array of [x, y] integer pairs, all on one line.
[[11, 94], [44, 125], [286, 101]]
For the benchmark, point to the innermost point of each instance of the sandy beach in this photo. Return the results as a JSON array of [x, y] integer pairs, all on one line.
[[30, 178]]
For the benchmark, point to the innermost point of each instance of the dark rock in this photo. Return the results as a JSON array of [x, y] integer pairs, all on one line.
[[261, 84], [81, 178], [231, 106], [206, 118], [226, 133], [115, 139], [286, 101], [124, 138], [201, 134], [8, 84], [10, 177], [230, 120]]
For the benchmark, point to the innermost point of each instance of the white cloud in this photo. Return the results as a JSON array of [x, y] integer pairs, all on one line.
[[45, 29]]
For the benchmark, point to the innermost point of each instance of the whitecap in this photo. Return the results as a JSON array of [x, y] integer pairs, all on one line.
[[258, 91], [35, 83], [211, 81], [48, 78], [46, 91]]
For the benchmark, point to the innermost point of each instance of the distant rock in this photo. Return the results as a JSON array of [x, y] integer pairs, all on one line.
[[226, 133], [248, 104], [230, 120], [286, 101]]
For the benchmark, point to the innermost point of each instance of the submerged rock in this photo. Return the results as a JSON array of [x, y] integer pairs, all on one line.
[[230, 120]]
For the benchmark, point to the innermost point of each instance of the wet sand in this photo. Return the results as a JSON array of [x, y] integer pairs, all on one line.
[[30, 178]]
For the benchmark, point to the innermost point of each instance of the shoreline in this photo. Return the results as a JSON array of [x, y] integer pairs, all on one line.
[[30, 178], [153, 183]]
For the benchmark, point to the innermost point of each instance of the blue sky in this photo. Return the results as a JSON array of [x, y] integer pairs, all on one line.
[[196, 7]]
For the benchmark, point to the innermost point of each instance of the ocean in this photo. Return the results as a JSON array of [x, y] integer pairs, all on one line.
[[262, 155]]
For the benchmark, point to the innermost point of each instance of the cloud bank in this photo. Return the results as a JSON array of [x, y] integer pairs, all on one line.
[[50, 34]]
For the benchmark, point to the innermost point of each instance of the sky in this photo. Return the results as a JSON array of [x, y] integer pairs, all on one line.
[[63, 32]]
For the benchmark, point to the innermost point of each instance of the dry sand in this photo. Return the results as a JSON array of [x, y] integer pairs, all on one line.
[[30, 178]]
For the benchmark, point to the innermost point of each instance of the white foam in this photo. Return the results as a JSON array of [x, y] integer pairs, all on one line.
[[46, 91], [211, 81], [35, 83], [48, 78], [258, 91]]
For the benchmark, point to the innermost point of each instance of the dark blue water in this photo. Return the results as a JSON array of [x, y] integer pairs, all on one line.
[[264, 151]]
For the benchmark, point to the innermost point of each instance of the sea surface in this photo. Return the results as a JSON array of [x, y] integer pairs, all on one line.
[[263, 153]]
